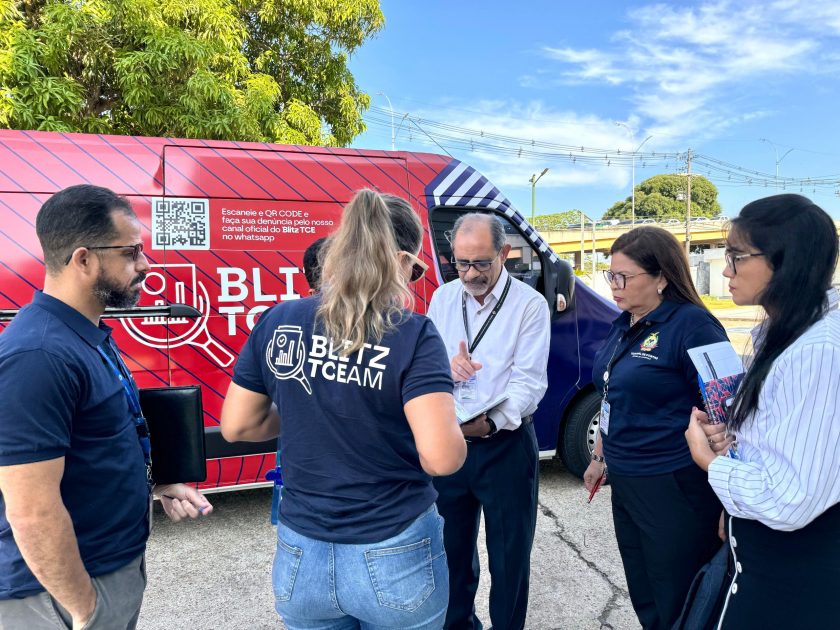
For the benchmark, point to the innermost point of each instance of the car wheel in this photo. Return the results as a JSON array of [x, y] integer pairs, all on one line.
[[579, 434]]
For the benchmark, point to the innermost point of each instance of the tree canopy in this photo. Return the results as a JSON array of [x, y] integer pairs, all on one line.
[[556, 221], [259, 70], [663, 197]]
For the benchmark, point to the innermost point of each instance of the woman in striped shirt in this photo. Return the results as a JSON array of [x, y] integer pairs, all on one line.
[[782, 493]]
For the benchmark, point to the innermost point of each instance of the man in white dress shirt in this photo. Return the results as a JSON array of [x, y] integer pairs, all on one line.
[[497, 332]]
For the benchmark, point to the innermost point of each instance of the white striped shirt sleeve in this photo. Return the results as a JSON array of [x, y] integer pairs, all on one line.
[[789, 473]]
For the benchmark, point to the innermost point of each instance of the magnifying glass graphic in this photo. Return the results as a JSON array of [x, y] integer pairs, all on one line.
[[286, 355]]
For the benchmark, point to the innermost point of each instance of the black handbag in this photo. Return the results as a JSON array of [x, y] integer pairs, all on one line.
[[176, 431], [705, 598]]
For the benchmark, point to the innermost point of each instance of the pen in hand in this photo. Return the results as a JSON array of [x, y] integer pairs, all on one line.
[[597, 486]]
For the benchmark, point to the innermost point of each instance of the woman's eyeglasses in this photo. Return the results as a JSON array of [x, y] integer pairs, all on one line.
[[732, 258], [135, 250], [418, 267], [620, 279]]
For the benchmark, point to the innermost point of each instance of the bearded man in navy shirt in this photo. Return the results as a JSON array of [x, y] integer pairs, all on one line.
[[75, 487]]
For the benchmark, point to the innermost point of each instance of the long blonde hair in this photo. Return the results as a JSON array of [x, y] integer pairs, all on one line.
[[364, 290]]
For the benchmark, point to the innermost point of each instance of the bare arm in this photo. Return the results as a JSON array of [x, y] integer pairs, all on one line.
[[248, 416], [44, 533], [439, 440]]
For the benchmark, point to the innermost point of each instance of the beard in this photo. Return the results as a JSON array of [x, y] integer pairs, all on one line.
[[477, 286], [113, 295]]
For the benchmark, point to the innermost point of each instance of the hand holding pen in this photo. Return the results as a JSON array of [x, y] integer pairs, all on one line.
[[597, 485]]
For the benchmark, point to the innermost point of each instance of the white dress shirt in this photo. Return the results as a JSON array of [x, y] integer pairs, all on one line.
[[789, 448], [513, 353]]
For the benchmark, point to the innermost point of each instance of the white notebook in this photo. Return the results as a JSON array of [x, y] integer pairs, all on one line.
[[465, 416]]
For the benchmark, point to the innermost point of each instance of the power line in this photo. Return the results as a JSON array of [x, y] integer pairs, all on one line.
[[465, 139]]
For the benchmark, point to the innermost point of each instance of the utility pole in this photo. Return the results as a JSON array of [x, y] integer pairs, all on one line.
[[688, 207], [582, 238], [391, 109], [534, 179]]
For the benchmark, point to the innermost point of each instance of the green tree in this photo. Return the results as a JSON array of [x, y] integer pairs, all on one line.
[[556, 221], [259, 70], [663, 197]]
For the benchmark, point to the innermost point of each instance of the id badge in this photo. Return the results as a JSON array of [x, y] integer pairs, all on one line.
[[604, 422], [468, 388]]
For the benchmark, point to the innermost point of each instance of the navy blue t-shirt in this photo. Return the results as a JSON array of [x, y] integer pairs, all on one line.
[[652, 387], [351, 471], [60, 399]]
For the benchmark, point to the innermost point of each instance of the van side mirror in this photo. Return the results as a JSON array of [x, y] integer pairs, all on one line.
[[560, 288]]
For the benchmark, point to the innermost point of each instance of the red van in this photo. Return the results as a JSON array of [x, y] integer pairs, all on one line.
[[225, 228]]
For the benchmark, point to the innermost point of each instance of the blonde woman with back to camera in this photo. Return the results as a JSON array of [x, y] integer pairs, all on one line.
[[361, 431]]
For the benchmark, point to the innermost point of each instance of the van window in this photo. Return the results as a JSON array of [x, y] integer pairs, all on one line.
[[523, 262]]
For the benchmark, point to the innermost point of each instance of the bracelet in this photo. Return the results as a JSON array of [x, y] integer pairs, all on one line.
[[598, 458]]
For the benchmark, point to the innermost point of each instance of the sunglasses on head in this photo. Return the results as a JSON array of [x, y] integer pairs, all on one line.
[[135, 253], [418, 267]]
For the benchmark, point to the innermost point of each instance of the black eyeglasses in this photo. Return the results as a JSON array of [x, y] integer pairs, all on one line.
[[479, 265], [135, 250], [731, 259], [620, 279]]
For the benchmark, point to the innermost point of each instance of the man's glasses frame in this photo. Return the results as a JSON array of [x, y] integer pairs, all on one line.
[[463, 266], [135, 254], [621, 278], [732, 259]]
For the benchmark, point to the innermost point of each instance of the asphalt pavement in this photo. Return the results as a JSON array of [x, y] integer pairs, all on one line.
[[216, 572]]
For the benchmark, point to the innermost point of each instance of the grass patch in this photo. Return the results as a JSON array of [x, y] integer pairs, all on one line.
[[713, 302]]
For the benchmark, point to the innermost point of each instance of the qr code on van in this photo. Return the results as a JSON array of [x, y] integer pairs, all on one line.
[[180, 223]]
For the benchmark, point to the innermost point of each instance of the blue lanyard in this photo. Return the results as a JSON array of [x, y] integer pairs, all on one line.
[[133, 404]]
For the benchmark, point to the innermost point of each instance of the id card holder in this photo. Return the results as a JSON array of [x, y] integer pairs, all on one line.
[[468, 388], [604, 420]]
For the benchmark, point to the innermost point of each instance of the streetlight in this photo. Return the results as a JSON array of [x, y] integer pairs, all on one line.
[[583, 219], [776, 153], [390, 107], [633, 162], [534, 179]]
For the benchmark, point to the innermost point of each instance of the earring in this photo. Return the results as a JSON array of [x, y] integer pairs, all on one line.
[[659, 291]]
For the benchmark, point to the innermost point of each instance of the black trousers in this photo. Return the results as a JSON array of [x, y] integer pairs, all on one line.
[[666, 527], [500, 476]]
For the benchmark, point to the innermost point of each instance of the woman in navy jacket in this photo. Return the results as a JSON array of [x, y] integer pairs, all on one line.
[[664, 512]]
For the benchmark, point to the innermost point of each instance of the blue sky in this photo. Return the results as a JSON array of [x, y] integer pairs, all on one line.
[[712, 76]]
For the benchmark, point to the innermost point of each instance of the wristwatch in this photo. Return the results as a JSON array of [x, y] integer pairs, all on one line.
[[598, 458], [493, 428]]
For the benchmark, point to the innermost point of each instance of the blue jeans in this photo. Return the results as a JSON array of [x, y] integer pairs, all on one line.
[[400, 582]]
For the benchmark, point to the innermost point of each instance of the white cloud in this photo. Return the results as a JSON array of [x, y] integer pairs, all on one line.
[[535, 121], [682, 64]]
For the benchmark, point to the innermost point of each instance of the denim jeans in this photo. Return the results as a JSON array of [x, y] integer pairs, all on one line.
[[400, 582]]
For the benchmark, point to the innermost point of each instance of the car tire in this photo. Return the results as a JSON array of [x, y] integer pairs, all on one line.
[[579, 433]]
